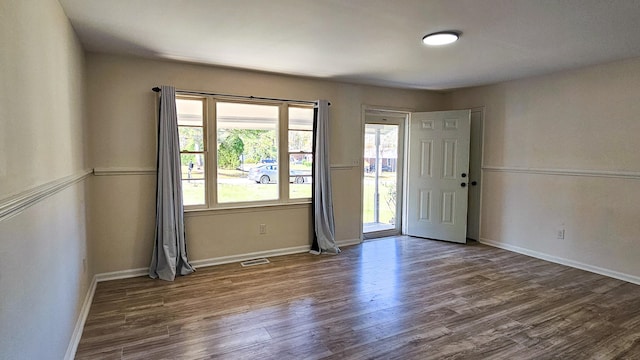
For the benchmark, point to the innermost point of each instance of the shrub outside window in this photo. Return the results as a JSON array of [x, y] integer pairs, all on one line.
[[247, 136], [248, 145]]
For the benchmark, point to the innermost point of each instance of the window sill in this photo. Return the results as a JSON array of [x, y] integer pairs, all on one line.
[[237, 209]]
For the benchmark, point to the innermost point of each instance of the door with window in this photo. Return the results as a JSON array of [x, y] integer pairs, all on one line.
[[438, 175], [382, 179]]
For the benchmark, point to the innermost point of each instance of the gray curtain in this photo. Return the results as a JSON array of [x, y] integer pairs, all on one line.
[[324, 234], [169, 250]]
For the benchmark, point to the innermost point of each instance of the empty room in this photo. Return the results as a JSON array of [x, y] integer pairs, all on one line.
[[412, 179]]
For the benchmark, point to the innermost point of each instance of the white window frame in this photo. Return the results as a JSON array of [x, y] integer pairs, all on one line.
[[211, 161], [303, 153]]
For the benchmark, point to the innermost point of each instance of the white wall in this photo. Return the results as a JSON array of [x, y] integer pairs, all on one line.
[[122, 135], [42, 278], [583, 121]]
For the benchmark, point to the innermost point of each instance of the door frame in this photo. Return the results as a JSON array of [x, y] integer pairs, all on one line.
[[407, 111], [479, 166], [402, 115]]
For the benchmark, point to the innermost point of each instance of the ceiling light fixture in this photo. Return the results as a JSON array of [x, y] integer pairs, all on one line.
[[441, 38]]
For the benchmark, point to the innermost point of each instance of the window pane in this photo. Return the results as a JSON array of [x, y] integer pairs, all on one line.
[[300, 148], [247, 142], [191, 138], [300, 118], [192, 166], [300, 175], [189, 112], [246, 116], [193, 192], [193, 179], [300, 141], [233, 191]]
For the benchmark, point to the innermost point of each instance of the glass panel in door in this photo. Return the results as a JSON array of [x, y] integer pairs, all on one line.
[[381, 167]]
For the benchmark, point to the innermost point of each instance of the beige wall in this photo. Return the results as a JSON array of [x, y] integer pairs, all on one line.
[[42, 278], [122, 135], [586, 121]]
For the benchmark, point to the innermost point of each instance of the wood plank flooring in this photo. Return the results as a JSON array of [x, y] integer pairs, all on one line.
[[395, 298]]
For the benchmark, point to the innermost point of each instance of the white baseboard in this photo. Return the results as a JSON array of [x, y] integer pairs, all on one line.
[[125, 274], [122, 274], [248, 256], [82, 318], [562, 261], [348, 242]]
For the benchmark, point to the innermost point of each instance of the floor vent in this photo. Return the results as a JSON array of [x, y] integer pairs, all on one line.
[[254, 262]]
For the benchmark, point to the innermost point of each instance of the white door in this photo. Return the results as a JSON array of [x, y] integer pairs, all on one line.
[[437, 175]]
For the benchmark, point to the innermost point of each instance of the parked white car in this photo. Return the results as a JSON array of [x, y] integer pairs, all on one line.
[[268, 174], [264, 174]]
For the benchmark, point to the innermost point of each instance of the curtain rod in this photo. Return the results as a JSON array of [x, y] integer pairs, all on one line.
[[189, 92]]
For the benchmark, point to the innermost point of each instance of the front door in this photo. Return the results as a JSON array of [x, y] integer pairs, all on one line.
[[438, 175], [382, 180]]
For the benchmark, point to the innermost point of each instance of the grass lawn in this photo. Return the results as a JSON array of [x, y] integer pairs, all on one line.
[[193, 191], [387, 190]]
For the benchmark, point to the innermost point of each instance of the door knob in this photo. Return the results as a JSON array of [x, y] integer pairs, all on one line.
[[474, 183], [463, 184], [464, 175]]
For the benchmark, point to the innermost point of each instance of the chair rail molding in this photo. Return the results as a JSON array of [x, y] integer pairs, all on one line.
[[635, 175], [115, 171], [14, 205]]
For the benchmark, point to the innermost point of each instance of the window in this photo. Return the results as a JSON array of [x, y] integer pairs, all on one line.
[[250, 139], [191, 130], [300, 151], [247, 136]]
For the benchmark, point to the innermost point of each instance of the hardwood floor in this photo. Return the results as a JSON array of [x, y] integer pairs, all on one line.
[[396, 298]]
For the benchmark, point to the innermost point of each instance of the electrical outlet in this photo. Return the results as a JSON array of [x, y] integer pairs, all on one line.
[[561, 234], [263, 228]]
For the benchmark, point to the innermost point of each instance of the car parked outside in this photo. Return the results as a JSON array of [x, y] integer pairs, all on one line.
[[264, 174], [372, 168], [268, 174]]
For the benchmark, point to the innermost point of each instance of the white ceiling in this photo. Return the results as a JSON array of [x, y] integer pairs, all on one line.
[[367, 41]]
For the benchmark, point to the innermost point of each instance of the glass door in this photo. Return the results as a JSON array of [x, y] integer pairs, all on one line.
[[382, 161]]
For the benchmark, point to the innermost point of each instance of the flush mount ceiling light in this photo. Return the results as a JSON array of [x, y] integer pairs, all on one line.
[[441, 38]]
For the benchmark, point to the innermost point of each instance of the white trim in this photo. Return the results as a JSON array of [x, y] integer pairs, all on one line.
[[342, 166], [82, 318], [248, 256], [566, 172], [248, 209], [122, 274], [559, 260], [402, 116], [16, 204], [385, 108], [348, 242], [479, 109], [112, 171]]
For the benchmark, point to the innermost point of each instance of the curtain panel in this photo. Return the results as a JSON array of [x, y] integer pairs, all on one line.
[[324, 228], [169, 252]]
